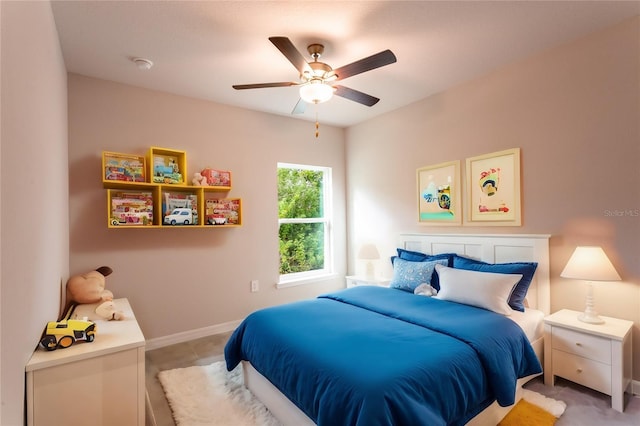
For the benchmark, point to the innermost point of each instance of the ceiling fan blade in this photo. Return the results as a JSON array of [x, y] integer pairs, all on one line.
[[287, 48], [263, 85], [355, 95], [300, 107], [378, 60]]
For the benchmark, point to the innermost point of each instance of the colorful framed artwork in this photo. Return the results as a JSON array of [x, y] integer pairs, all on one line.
[[493, 188], [439, 194]]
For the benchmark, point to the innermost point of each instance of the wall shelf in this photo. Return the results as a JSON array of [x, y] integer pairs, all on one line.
[[142, 191]]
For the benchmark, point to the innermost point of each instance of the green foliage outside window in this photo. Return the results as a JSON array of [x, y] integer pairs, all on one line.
[[300, 195]]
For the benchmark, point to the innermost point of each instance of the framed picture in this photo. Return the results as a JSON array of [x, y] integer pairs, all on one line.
[[439, 194], [493, 186]]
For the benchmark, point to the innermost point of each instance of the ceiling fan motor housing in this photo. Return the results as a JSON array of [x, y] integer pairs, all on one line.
[[319, 70]]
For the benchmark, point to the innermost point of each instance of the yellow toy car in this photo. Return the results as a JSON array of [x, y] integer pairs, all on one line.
[[62, 334]]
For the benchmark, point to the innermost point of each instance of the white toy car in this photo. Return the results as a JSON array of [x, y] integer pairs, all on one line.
[[179, 216]]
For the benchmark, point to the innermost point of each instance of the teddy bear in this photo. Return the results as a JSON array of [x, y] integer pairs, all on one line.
[[199, 180], [425, 289], [88, 292], [97, 311]]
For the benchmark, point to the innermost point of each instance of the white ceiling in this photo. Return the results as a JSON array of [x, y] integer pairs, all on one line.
[[201, 48]]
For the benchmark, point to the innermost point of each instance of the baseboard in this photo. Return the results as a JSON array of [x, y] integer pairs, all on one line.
[[635, 387], [160, 342]]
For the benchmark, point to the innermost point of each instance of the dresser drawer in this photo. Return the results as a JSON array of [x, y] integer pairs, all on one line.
[[591, 374], [584, 345]]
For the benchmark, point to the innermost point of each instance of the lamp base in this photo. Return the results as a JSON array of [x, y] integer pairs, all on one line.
[[370, 272], [591, 318], [590, 315]]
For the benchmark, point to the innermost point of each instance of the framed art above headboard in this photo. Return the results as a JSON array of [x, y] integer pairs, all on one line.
[[494, 248]]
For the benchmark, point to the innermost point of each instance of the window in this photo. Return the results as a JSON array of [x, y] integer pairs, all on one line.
[[304, 218]]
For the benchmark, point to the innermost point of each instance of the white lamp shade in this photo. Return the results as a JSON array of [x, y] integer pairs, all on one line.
[[368, 252], [316, 92], [590, 263]]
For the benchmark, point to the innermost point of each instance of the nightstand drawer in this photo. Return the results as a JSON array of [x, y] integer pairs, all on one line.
[[591, 374], [581, 344]]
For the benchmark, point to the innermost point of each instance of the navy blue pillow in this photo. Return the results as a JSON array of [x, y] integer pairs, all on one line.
[[527, 269], [415, 256]]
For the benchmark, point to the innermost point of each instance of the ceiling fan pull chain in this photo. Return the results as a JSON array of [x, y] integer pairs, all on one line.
[[317, 124]]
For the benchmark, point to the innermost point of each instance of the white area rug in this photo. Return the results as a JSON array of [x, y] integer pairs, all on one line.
[[210, 396]]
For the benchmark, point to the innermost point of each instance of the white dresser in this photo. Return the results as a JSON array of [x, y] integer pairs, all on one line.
[[101, 383], [597, 356]]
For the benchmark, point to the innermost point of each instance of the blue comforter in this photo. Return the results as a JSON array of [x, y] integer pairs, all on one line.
[[378, 356]]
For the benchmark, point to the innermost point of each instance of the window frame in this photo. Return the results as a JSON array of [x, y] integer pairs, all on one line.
[[327, 272]]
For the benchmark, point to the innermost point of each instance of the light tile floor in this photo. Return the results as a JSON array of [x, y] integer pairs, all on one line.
[[585, 407]]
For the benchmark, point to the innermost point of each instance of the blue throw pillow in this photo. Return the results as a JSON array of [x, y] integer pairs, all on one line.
[[409, 275], [527, 269], [415, 256]]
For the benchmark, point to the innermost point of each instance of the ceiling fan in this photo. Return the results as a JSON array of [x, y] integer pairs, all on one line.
[[317, 78]]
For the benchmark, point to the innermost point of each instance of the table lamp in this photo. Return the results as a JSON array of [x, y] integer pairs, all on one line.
[[369, 252], [590, 263]]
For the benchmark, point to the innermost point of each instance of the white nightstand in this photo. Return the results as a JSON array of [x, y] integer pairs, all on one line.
[[597, 356], [101, 383], [354, 281]]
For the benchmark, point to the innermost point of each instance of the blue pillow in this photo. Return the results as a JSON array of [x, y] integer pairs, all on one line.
[[527, 269], [415, 256], [409, 275]]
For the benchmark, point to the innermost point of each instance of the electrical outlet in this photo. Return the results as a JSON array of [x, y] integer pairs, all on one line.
[[255, 286]]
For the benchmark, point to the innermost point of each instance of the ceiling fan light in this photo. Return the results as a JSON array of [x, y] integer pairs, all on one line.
[[316, 92]]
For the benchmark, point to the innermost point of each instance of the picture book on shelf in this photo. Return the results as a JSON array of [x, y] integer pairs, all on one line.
[[180, 200], [166, 169], [131, 208], [217, 177], [124, 167], [222, 211]]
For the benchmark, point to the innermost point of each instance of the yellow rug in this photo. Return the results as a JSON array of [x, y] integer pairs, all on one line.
[[527, 414]]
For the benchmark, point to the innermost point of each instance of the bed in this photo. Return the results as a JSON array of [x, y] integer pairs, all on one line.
[[372, 355]]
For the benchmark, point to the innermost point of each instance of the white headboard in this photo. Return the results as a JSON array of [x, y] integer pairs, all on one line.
[[497, 248]]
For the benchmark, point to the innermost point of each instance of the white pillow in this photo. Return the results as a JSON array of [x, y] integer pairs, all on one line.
[[486, 290]]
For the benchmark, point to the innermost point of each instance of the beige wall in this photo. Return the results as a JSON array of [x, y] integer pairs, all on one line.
[[178, 280], [574, 112], [34, 190]]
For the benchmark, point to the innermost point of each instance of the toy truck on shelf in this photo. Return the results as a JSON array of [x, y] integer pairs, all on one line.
[[64, 333]]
